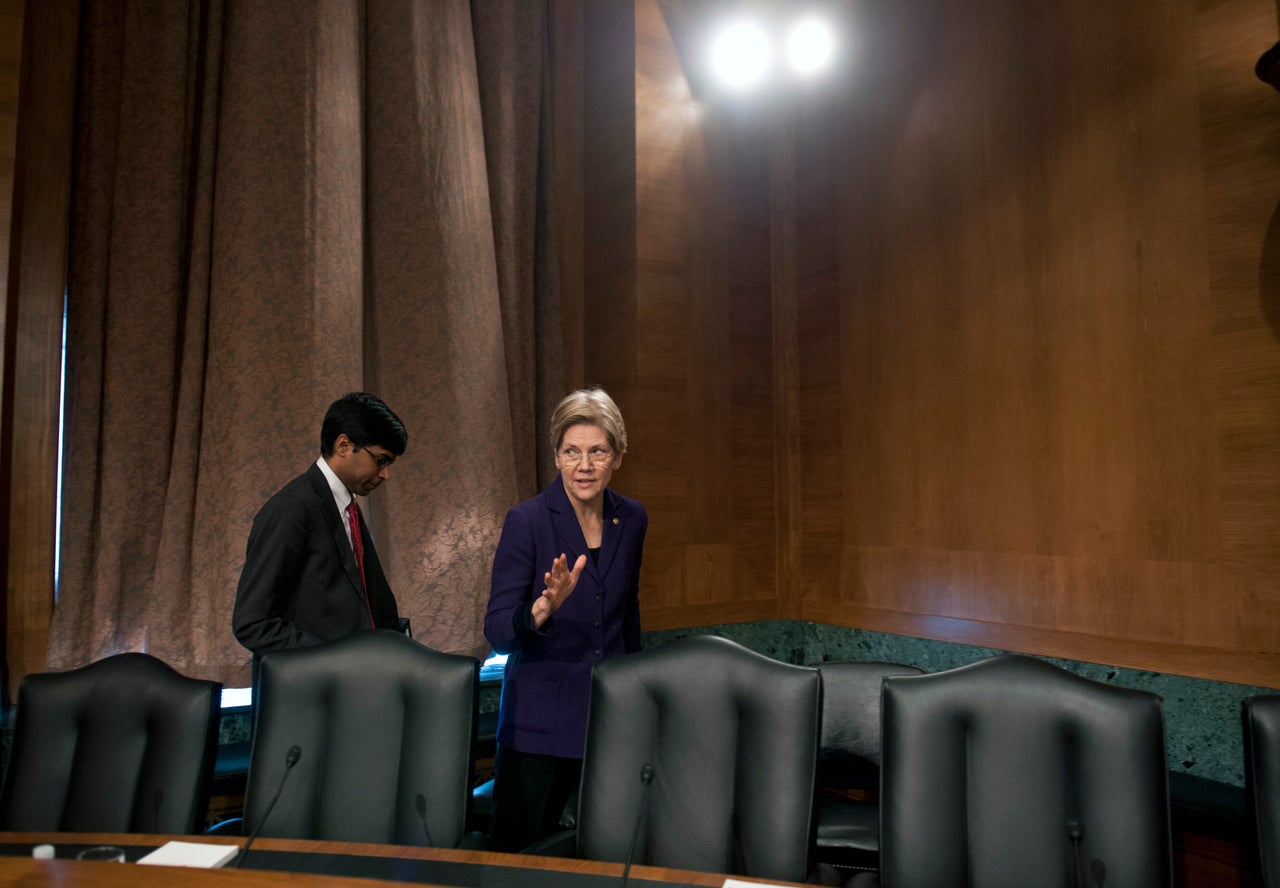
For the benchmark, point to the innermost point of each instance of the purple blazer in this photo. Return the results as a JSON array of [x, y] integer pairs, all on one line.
[[548, 676]]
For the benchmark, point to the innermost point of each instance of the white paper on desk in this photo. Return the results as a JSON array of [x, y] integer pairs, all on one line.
[[738, 883], [191, 854]]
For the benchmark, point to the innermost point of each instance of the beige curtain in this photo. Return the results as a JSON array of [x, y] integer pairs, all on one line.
[[276, 203]]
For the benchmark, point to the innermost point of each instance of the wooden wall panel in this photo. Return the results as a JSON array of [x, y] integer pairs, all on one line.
[[34, 296], [568, 85], [1240, 130], [978, 344], [609, 200], [701, 418], [11, 15], [10, 75], [1041, 436]]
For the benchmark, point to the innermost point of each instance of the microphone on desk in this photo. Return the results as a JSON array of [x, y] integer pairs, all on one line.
[[156, 808], [1076, 834], [421, 802], [646, 780], [290, 759]]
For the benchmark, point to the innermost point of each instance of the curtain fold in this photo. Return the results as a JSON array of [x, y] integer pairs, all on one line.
[[276, 203], [513, 57], [439, 357]]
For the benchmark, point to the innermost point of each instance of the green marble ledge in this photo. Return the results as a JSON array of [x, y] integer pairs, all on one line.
[[1202, 717]]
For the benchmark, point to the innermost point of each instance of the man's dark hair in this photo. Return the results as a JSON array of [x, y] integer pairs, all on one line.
[[366, 420]]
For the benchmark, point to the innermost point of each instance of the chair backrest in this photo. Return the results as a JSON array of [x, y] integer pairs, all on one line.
[[125, 744], [849, 753], [732, 737], [385, 730], [1262, 777], [1012, 771]]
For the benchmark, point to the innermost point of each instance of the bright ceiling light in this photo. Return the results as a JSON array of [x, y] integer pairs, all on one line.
[[811, 46], [740, 55]]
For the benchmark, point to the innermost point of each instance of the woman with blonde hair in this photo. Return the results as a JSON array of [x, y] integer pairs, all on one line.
[[564, 596]]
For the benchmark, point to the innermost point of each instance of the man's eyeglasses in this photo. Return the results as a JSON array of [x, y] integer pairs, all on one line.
[[381, 460], [597, 456]]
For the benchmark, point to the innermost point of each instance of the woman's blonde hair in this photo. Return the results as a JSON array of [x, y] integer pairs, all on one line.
[[589, 406]]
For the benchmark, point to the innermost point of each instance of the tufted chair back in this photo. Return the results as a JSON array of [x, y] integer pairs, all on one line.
[[125, 744], [1262, 778], [732, 738], [1014, 772], [848, 795], [384, 729]]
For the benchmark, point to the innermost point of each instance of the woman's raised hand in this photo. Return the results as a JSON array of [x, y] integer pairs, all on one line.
[[560, 582]]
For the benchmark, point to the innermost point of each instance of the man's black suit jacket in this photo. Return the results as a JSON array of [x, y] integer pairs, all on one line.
[[300, 584]]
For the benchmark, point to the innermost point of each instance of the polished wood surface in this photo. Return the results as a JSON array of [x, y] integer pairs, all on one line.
[[31, 873], [1045, 304], [25, 871], [10, 77], [36, 286], [980, 343], [568, 112], [608, 248], [702, 399]]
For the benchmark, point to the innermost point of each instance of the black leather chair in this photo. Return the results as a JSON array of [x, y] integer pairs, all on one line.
[[847, 799], [1014, 772], [1262, 779], [732, 740], [384, 730], [125, 744]]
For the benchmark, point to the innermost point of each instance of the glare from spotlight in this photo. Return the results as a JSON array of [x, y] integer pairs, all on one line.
[[740, 55], [811, 46]]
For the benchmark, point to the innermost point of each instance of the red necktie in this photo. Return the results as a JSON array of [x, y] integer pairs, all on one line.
[[357, 545]]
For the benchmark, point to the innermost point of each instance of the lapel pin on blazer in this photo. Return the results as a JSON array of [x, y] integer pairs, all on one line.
[[617, 520]]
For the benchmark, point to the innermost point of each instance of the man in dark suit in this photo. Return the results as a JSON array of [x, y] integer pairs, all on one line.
[[307, 577]]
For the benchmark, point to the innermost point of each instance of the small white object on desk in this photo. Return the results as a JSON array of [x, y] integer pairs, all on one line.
[[43, 852], [195, 854]]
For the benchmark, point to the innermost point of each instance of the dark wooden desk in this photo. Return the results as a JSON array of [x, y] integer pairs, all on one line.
[[28, 873], [292, 862]]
